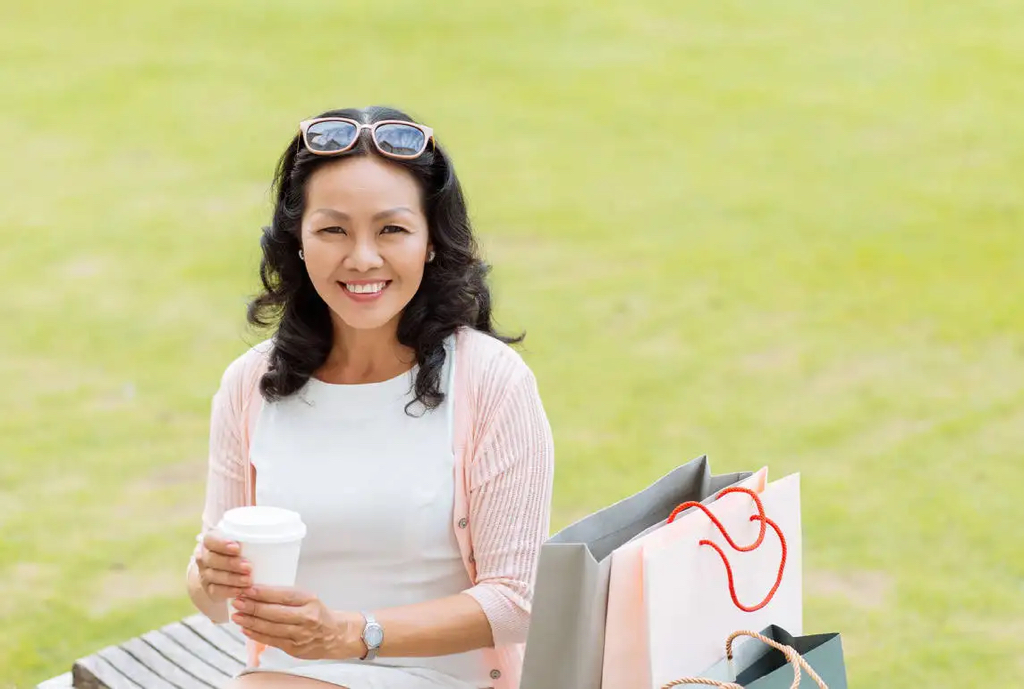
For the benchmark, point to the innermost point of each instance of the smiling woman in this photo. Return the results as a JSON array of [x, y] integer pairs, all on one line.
[[365, 258], [388, 413]]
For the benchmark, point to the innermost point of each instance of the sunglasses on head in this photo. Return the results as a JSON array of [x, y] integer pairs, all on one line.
[[393, 138]]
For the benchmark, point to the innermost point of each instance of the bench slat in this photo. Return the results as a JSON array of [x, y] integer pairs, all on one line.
[[202, 626], [133, 669], [234, 632], [202, 648], [191, 663], [93, 672], [161, 666], [61, 682]]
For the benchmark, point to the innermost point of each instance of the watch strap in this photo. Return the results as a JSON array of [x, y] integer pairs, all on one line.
[[370, 624]]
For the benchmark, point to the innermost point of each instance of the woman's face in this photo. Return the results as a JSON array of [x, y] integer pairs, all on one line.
[[365, 239]]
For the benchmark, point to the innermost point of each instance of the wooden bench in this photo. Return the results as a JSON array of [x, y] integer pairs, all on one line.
[[194, 653]]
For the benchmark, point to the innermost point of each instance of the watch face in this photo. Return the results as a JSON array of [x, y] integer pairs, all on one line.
[[373, 636]]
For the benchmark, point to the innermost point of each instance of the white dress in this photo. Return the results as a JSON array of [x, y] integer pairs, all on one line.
[[375, 487]]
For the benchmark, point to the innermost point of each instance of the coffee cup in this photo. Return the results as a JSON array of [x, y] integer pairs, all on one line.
[[270, 539]]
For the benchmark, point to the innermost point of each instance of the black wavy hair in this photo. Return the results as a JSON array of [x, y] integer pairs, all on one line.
[[453, 293]]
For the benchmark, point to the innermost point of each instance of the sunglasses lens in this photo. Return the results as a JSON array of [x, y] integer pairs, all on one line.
[[400, 139], [324, 137]]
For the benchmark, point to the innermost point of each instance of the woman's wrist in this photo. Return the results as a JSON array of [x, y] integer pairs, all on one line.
[[350, 635], [215, 611]]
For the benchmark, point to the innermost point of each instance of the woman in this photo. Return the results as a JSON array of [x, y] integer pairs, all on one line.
[[390, 415]]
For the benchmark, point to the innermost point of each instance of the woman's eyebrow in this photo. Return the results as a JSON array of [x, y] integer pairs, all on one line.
[[392, 211], [331, 212], [376, 216]]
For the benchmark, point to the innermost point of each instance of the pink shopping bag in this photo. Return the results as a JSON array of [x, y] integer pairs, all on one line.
[[738, 567], [625, 644]]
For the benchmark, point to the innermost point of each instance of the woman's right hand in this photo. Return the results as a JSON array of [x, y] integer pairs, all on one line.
[[223, 573]]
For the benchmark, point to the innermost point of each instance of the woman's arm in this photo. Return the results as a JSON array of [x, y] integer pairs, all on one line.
[[510, 478], [299, 623], [225, 481], [444, 626]]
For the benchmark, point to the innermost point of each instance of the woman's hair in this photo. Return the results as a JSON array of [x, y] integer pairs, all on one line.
[[453, 293]]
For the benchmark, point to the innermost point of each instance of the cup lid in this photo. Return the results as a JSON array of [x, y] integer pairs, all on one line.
[[262, 524]]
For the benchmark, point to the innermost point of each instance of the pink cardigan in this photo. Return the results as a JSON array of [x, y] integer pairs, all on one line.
[[504, 467]]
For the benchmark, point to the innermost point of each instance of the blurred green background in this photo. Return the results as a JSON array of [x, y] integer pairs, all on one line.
[[786, 233]]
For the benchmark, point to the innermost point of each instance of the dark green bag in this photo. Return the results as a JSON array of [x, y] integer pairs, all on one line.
[[758, 666]]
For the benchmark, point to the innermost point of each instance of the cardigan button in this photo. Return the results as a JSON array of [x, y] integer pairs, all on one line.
[[472, 556], [495, 674], [463, 523]]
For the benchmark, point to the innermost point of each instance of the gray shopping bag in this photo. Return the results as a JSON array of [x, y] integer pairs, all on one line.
[[757, 666], [565, 645]]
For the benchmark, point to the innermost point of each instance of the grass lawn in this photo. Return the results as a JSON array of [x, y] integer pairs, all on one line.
[[786, 233]]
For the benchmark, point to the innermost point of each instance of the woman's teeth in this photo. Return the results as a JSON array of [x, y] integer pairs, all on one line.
[[369, 288]]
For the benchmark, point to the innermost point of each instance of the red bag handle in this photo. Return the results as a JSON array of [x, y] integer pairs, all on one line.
[[732, 489], [765, 521]]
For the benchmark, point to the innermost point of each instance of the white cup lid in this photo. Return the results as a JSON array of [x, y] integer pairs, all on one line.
[[262, 524]]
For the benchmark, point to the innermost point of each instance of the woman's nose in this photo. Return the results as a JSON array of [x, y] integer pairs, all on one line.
[[364, 256]]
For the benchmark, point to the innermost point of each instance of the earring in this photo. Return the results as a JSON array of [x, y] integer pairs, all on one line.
[[430, 258], [302, 256]]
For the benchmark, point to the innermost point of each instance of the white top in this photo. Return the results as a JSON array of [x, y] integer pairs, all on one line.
[[375, 488]]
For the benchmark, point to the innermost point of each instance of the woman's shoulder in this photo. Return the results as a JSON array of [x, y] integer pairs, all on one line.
[[488, 361], [242, 375]]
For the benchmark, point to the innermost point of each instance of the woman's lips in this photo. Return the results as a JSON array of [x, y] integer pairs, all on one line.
[[364, 290]]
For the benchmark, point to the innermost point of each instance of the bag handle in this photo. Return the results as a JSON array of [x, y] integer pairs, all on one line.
[[792, 657], [731, 489], [704, 682], [765, 521]]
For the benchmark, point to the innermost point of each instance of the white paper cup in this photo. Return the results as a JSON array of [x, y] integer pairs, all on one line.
[[270, 539]]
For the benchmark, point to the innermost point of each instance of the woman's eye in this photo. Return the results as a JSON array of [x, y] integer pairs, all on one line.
[[333, 230], [393, 229]]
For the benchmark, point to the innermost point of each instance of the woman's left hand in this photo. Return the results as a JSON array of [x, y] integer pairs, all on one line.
[[294, 621]]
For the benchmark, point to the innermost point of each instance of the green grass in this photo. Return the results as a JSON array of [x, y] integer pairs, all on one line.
[[785, 233]]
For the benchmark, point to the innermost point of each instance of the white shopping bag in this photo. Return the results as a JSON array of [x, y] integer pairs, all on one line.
[[625, 641], [689, 602]]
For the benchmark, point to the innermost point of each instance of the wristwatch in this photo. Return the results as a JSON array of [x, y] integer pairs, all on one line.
[[373, 636]]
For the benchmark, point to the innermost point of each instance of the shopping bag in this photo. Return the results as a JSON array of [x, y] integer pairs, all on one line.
[[740, 568], [625, 643], [766, 662], [565, 643]]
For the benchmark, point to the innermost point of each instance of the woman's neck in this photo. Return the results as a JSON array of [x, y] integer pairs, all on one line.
[[365, 356]]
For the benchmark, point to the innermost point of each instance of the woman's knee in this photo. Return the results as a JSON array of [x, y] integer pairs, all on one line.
[[276, 680]]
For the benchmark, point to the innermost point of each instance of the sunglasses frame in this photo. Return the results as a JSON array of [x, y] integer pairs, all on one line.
[[428, 136]]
